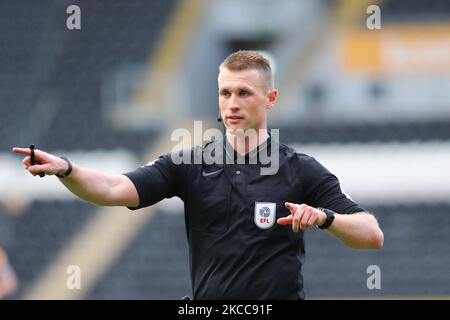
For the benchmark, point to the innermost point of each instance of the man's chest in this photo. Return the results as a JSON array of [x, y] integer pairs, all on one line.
[[224, 196]]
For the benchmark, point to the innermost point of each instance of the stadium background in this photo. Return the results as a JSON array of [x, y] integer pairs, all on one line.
[[372, 105]]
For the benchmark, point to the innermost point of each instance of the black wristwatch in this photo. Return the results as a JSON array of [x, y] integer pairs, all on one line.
[[330, 218], [68, 171]]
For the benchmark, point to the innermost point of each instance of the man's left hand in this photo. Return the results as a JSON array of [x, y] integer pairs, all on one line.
[[302, 217]]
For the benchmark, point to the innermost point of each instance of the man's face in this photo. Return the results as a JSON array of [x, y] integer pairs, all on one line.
[[244, 99]]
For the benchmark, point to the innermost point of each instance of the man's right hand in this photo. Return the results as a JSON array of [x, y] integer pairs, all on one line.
[[45, 162]]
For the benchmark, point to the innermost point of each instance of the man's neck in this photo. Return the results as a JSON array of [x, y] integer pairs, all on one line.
[[243, 143]]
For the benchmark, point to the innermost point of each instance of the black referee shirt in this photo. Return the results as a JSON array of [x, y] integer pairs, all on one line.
[[237, 250]]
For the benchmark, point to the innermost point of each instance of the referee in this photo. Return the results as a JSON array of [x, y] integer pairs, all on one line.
[[245, 229]]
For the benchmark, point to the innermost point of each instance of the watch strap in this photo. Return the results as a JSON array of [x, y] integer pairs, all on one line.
[[329, 220], [68, 171]]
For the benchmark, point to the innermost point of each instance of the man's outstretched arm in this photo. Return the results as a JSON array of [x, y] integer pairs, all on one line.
[[90, 185], [359, 230]]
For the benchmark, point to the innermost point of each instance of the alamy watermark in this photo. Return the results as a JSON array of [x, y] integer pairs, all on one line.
[[73, 22], [267, 156], [374, 280], [73, 281], [373, 22]]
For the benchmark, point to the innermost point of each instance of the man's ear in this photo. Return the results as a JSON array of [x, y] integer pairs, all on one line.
[[272, 95]]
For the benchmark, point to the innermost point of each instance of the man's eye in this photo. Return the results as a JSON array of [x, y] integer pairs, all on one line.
[[243, 93], [225, 93]]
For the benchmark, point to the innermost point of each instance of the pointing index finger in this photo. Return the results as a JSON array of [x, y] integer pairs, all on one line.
[[25, 151]]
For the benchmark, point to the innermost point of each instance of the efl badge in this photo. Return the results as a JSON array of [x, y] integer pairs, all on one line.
[[265, 214]]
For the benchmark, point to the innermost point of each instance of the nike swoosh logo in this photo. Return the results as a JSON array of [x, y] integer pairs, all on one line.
[[205, 174]]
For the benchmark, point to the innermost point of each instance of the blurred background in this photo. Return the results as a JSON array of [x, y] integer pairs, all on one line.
[[371, 104]]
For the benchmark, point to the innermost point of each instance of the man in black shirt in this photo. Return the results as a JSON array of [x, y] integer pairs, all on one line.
[[245, 217]]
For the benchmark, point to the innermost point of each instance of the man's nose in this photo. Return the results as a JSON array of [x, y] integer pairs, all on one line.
[[233, 103]]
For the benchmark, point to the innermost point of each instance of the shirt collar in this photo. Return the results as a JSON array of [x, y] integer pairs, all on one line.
[[250, 157]]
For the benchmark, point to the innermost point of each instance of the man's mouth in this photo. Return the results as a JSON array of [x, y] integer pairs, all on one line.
[[235, 117]]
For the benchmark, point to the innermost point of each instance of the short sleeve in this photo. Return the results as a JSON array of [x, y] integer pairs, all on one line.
[[156, 181], [322, 189]]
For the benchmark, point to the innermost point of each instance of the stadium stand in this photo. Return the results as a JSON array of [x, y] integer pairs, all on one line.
[[411, 262], [367, 132], [39, 235], [155, 266], [51, 87], [56, 75], [404, 10]]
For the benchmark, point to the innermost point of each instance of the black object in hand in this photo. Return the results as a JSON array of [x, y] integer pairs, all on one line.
[[33, 160]]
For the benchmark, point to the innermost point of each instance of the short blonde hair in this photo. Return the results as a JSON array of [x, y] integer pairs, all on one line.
[[245, 60]]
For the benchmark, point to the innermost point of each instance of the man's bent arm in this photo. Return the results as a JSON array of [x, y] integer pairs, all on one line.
[[358, 230]]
